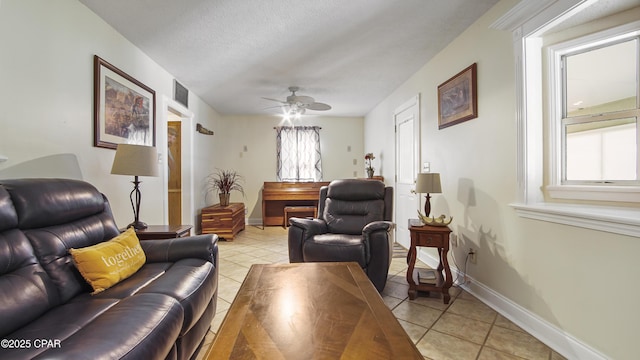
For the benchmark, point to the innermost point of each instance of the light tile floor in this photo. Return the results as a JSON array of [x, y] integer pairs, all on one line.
[[464, 329]]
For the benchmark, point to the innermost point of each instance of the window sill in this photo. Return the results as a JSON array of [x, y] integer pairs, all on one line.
[[595, 193], [624, 221]]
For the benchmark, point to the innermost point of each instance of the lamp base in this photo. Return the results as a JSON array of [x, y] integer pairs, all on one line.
[[427, 205], [135, 194], [138, 225]]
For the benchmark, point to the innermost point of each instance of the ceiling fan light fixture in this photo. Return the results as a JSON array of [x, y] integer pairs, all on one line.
[[292, 112]]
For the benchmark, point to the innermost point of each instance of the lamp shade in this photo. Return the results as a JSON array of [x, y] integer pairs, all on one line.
[[136, 160], [428, 183]]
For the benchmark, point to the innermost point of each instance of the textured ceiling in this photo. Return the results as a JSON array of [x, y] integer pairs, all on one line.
[[349, 54], [594, 10]]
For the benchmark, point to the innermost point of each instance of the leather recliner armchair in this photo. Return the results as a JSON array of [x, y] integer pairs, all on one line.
[[353, 224]]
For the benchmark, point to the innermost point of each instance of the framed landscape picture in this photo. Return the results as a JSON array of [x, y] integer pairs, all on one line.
[[458, 98], [124, 108]]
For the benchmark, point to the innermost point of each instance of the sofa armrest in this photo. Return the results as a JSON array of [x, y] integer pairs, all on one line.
[[170, 250], [300, 231]]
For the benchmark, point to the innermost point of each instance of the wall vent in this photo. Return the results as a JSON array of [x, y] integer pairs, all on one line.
[[180, 94]]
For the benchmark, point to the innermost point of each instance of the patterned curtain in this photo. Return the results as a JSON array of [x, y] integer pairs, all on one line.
[[299, 153]]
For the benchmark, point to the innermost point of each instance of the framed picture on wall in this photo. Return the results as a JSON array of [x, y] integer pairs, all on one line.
[[458, 98], [124, 109]]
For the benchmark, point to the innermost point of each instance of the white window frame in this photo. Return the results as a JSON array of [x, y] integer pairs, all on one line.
[[527, 20], [556, 189]]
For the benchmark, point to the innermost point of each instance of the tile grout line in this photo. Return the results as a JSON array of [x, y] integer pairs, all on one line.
[[486, 337]]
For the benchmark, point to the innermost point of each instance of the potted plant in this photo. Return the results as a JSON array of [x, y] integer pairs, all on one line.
[[367, 158], [222, 182]]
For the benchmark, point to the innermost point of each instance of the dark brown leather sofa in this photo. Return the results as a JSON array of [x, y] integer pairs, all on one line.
[[353, 224], [163, 311]]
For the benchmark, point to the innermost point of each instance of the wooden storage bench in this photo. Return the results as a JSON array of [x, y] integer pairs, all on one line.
[[298, 211], [225, 221]]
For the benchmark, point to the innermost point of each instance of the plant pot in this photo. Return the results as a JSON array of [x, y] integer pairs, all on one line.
[[369, 173], [224, 199]]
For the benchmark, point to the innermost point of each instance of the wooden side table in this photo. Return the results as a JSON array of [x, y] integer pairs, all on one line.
[[153, 232], [436, 237], [375, 177], [226, 221]]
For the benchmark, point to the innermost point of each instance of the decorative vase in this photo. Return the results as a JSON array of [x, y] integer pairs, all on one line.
[[224, 199], [369, 173]]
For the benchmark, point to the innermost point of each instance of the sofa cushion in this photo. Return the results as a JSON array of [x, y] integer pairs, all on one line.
[[192, 282], [350, 217], [51, 246], [65, 201], [27, 291], [356, 190], [63, 321], [347, 205], [336, 247], [143, 326], [106, 264], [8, 216], [131, 286]]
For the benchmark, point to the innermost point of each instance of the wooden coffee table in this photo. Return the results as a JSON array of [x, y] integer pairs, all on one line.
[[310, 311]]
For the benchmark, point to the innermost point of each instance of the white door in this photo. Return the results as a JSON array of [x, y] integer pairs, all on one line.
[[407, 121]]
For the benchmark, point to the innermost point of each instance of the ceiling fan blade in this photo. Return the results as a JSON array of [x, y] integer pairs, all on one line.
[[273, 107], [299, 103], [270, 99], [318, 106], [296, 99]]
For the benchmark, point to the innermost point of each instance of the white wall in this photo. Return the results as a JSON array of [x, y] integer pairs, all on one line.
[[577, 280], [258, 163], [46, 97]]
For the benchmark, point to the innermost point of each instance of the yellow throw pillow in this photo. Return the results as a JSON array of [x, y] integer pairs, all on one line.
[[106, 264]]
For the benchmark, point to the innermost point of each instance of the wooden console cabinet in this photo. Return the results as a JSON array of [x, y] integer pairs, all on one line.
[[225, 221]]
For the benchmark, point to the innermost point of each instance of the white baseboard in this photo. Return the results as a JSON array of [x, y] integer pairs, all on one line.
[[563, 343]]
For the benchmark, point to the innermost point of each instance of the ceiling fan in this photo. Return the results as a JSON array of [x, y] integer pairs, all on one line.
[[298, 104]]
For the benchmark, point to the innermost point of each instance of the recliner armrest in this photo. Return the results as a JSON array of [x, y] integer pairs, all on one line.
[[380, 251], [300, 231], [377, 226], [313, 226], [170, 250]]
